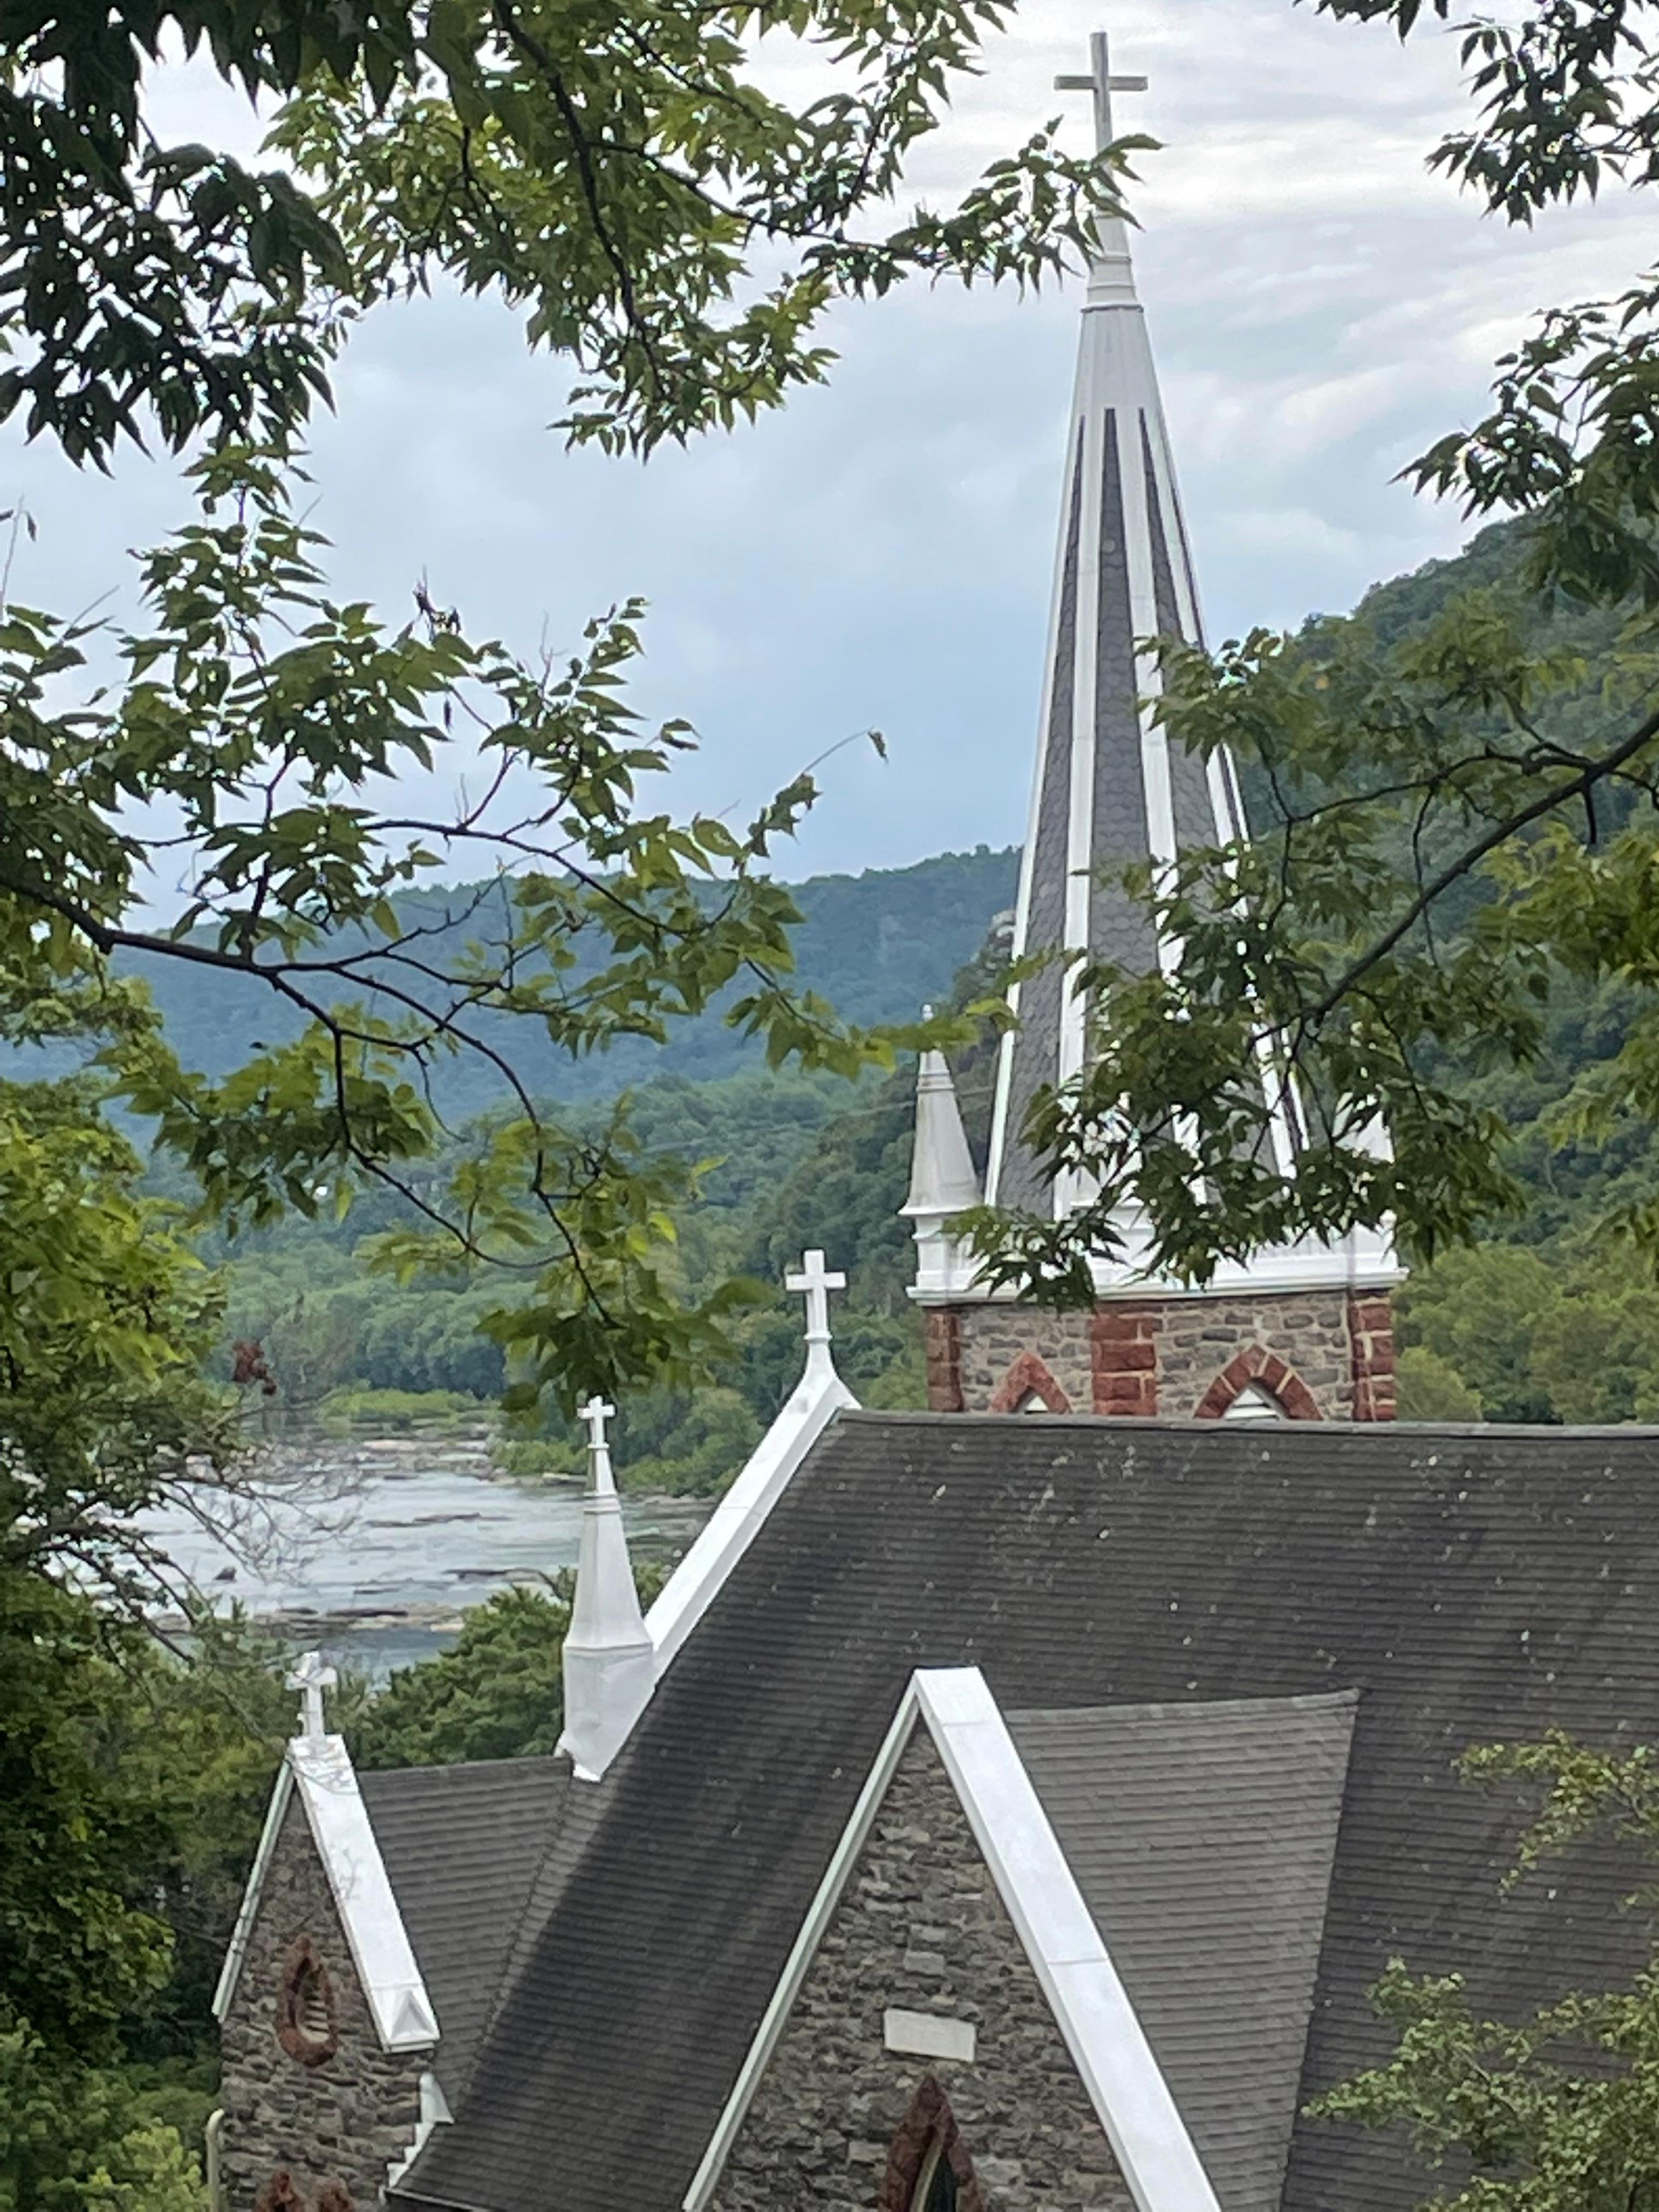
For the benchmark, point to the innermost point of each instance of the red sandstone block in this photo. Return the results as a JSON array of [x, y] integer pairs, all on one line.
[[1126, 1359], [1121, 1324], [1274, 1370], [1371, 1313], [1114, 1391]]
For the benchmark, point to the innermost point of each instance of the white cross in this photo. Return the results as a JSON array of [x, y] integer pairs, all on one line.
[[596, 1414], [1101, 82], [818, 1284], [311, 1678]]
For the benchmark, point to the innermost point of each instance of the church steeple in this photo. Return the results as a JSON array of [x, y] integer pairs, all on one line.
[[1110, 790], [1306, 1325]]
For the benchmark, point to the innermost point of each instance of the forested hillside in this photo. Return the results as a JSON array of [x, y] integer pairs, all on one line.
[[875, 945], [1538, 1323]]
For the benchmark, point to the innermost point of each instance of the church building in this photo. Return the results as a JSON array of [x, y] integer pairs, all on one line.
[[992, 1813]]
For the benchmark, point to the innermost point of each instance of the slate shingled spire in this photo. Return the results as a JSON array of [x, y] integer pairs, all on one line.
[[1298, 1331], [1110, 788]]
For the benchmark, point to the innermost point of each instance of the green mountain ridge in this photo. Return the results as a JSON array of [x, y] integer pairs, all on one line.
[[876, 946]]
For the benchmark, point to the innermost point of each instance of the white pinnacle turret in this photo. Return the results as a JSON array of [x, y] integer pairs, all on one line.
[[943, 1182], [608, 1661]]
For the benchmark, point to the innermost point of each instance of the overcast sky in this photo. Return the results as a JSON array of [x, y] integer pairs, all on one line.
[[880, 553]]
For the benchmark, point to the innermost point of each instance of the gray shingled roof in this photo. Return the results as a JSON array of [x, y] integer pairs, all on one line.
[[1472, 1585], [461, 1845], [1201, 1837]]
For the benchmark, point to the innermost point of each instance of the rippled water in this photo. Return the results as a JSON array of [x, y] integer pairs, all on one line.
[[379, 1571]]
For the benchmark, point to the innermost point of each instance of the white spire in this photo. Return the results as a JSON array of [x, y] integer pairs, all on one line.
[[1111, 790], [943, 1182], [608, 1661]]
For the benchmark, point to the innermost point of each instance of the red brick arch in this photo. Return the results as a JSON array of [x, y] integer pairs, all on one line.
[[1255, 1363], [1027, 1376]]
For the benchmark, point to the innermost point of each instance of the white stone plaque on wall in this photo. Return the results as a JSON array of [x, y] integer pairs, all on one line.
[[927, 2035]]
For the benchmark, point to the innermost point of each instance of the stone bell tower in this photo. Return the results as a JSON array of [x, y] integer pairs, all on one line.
[[1300, 1332]]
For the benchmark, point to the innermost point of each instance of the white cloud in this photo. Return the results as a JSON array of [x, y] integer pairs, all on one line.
[[881, 553]]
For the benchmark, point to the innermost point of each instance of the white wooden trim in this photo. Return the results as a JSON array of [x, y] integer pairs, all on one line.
[[741, 1513], [230, 1972], [1109, 2046], [404, 2016]]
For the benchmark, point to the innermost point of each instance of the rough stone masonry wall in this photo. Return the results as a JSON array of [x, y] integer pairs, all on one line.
[[993, 1337], [1198, 1337], [342, 2122], [920, 1926], [1329, 1355]]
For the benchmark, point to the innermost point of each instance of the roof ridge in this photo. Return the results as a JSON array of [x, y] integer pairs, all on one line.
[[1299, 1700]]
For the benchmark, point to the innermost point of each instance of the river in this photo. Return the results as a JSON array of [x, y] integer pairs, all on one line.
[[371, 1550]]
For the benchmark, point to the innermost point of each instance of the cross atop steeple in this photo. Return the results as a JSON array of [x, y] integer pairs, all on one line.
[[594, 1415], [311, 1678], [1101, 82], [817, 1283], [1111, 278]]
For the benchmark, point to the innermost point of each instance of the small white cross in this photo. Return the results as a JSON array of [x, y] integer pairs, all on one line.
[[596, 1414], [311, 1678], [1101, 82], [818, 1284]]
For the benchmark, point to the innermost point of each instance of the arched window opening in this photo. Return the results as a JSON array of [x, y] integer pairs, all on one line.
[[279, 2194], [928, 2169], [305, 2025], [936, 2186], [1028, 1387], [1253, 1403]]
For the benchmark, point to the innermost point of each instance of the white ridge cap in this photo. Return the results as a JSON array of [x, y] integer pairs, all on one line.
[[320, 1768], [741, 1513]]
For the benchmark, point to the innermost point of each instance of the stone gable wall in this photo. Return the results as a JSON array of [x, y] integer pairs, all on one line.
[[1330, 1356], [341, 2122], [920, 1926]]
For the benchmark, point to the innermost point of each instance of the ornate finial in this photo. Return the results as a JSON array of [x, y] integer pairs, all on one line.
[[596, 1414], [817, 1283], [601, 1482], [311, 1678]]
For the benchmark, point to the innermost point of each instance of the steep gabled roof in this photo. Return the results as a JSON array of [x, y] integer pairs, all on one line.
[[1470, 1585], [318, 1769], [1202, 1837], [461, 1845]]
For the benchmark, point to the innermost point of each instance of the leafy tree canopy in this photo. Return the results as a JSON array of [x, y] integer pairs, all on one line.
[[1456, 829], [619, 173], [273, 735], [1553, 2113]]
